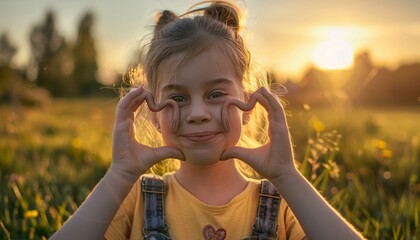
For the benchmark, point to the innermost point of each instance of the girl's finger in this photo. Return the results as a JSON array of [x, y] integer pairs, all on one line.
[[273, 107], [168, 152], [136, 102], [123, 109], [236, 152], [246, 107], [132, 106], [277, 120], [131, 132], [134, 93], [175, 110]]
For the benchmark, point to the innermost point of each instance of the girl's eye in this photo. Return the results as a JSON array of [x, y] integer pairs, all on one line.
[[178, 98], [216, 95]]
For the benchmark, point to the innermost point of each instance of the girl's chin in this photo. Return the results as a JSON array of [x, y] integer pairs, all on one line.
[[203, 157]]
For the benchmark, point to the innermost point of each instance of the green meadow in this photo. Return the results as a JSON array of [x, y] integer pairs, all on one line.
[[365, 161]]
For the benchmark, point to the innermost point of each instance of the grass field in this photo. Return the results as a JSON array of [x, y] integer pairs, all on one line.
[[365, 161]]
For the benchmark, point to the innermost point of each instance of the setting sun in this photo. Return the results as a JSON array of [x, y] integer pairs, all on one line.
[[334, 54]]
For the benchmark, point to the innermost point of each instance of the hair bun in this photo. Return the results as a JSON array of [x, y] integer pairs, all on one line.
[[164, 18], [224, 12]]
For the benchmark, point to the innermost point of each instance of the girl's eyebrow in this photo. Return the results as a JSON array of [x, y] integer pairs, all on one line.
[[211, 82]]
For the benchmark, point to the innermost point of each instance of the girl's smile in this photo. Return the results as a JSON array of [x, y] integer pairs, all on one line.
[[201, 137]]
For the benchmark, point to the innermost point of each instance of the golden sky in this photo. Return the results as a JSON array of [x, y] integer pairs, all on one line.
[[286, 35]]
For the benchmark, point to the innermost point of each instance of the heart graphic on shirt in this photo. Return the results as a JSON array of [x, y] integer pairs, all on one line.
[[211, 234]]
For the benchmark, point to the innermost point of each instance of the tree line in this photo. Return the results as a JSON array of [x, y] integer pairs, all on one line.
[[57, 67]]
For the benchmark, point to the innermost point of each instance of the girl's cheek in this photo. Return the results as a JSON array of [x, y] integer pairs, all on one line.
[[235, 130], [165, 118], [235, 115]]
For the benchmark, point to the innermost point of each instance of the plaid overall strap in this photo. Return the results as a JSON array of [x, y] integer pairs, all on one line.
[[265, 226], [155, 226]]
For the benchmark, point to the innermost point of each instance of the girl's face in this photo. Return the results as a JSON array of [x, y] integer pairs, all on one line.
[[200, 87]]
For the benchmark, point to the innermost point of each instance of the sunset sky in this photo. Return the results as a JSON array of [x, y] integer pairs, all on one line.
[[286, 35]]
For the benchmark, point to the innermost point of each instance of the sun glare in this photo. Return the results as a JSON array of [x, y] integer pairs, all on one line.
[[334, 54]]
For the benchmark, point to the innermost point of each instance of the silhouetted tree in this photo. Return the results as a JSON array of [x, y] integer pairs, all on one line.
[[10, 80], [362, 72], [85, 71], [7, 50], [51, 64], [13, 86], [8, 77], [398, 87]]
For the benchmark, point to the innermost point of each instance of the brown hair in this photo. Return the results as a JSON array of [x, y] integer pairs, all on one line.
[[219, 22]]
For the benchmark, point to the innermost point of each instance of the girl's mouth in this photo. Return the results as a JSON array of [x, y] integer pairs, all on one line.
[[201, 136]]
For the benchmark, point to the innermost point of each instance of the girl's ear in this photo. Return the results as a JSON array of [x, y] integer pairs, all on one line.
[[247, 95], [246, 115]]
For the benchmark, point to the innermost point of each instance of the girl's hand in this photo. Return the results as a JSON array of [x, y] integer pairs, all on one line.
[[273, 160], [130, 159]]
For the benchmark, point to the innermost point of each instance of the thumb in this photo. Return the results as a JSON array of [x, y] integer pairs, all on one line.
[[168, 152], [236, 152]]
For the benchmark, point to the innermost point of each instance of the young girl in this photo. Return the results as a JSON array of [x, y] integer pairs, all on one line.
[[202, 95]]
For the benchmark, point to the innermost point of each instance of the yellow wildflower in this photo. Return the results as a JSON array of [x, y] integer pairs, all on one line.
[[380, 144], [317, 125], [31, 214], [76, 143], [386, 153]]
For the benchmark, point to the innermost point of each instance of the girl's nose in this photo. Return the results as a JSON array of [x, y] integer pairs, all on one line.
[[198, 112]]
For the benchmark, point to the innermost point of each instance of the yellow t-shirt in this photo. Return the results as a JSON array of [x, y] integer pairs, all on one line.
[[188, 217]]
